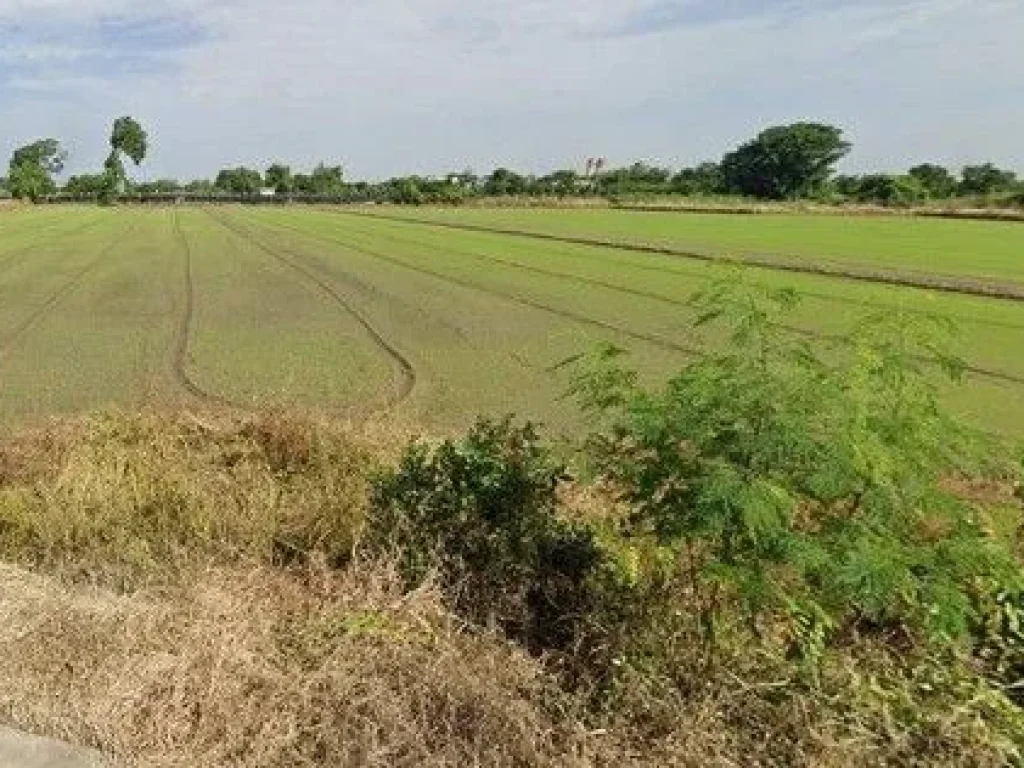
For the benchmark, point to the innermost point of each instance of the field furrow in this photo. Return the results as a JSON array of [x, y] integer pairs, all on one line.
[[183, 331], [621, 283], [979, 251], [243, 307], [405, 373], [99, 339]]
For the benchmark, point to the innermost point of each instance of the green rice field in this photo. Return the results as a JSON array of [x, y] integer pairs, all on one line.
[[438, 315]]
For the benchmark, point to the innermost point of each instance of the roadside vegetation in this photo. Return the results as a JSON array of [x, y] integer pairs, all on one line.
[[780, 554], [786, 163]]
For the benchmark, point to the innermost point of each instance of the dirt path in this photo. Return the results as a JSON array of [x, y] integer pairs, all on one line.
[[22, 750]]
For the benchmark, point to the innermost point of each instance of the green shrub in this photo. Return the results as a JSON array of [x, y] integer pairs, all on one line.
[[803, 483], [483, 511]]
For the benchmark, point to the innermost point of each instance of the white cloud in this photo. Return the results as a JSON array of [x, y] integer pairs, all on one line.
[[390, 86]]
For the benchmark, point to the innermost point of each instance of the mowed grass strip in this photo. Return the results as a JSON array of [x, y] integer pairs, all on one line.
[[975, 251], [263, 334]]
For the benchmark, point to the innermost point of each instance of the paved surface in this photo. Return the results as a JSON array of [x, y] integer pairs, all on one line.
[[19, 750]]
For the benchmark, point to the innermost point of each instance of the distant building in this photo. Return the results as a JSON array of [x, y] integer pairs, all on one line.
[[268, 192]]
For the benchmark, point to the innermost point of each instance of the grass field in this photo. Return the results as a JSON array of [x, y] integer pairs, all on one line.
[[345, 310]]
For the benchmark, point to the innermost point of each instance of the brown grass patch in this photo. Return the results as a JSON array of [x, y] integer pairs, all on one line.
[[264, 668], [185, 591]]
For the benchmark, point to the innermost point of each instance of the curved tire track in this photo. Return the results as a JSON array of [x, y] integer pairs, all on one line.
[[941, 283], [650, 295], [405, 372], [531, 303], [183, 331]]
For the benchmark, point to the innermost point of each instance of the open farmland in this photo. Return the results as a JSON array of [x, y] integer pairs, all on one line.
[[366, 310]]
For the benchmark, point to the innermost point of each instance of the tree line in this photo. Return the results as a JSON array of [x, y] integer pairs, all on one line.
[[787, 162]]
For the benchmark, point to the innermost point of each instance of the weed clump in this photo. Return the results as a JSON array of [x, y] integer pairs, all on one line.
[[483, 512]]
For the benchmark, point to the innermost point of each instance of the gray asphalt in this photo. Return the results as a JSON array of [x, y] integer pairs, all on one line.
[[21, 750]]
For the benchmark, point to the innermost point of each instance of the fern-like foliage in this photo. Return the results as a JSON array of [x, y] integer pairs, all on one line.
[[801, 476]]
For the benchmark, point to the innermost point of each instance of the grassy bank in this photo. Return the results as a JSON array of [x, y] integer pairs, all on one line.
[[189, 591]]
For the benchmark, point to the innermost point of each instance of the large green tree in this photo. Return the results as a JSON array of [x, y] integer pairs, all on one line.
[[127, 138], [32, 167], [787, 161]]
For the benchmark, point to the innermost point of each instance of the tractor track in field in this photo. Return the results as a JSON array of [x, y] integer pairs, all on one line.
[[57, 296], [183, 331], [939, 283], [360, 284], [405, 373], [676, 303], [517, 299]]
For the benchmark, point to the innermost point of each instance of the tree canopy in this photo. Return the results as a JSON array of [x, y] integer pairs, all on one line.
[[128, 138], [242, 181], [986, 179], [32, 167], [279, 176], [786, 161]]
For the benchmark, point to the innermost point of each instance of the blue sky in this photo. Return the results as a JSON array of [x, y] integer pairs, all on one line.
[[390, 86]]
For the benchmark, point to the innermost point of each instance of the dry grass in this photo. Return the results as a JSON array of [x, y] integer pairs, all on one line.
[[128, 501], [183, 591], [262, 668]]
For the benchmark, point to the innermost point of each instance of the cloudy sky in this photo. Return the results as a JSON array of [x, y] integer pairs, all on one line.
[[397, 86]]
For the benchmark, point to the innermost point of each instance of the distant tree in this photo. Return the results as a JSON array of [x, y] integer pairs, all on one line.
[[705, 179], [406, 191], [32, 167], [561, 183], [127, 138], [639, 178], [466, 180], [846, 185], [503, 182], [85, 186], [279, 177], [986, 179], [324, 181], [244, 182], [889, 189], [328, 181], [784, 162], [200, 187], [158, 187], [938, 181]]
